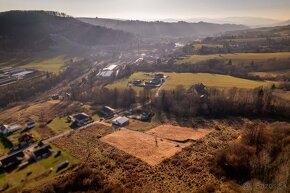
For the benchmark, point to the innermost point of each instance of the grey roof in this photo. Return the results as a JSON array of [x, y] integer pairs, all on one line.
[[106, 73], [23, 73], [121, 120]]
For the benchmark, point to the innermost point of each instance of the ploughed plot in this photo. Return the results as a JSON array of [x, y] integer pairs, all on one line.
[[148, 148], [178, 133]]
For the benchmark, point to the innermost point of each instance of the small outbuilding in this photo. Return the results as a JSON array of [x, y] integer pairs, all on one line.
[[120, 122]]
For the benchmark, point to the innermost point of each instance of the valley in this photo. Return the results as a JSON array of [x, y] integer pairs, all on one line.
[[186, 107]]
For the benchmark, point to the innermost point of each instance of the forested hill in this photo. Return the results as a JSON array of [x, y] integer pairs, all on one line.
[[39, 29], [160, 29]]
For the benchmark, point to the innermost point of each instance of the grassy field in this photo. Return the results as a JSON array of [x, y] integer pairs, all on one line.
[[40, 170], [188, 79], [54, 65], [234, 57], [59, 125]]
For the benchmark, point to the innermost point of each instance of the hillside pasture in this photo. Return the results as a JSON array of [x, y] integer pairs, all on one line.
[[236, 58]]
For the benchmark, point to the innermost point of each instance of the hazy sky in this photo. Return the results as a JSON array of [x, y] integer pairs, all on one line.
[[157, 9]]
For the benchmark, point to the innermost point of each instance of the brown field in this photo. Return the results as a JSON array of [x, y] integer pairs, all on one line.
[[142, 145], [46, 110], [179, 133]]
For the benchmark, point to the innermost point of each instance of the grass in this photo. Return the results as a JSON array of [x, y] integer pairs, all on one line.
[[39, 170], [54, 64], [188, 79], [5, 145], [96, 117], [234, 57], [59, 125]]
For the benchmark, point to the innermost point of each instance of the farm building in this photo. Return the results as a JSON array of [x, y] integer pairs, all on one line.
[[106, 74], [42, 152], [12, 160], [6, 130], [120, 121], [110, 67], [107, 112], [81, 119]]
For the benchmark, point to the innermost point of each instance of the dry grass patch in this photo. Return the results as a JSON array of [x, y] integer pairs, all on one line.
[[142, 145], [179, 133]]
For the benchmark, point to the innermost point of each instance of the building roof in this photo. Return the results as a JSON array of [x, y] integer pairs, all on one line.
[[110, 67], [11, 158], [81, 116], [121, 120], [22, 74], [106, 73], [43, 150]]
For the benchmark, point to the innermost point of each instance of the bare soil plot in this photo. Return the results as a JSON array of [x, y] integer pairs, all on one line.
[[178, 133], [142, 145]]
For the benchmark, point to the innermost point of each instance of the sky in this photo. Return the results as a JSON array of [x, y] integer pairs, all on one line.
[[157, 9]]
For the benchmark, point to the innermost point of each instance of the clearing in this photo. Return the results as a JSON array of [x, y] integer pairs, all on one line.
[[188, 79], [238, 57], [178, 133], [142, 145]]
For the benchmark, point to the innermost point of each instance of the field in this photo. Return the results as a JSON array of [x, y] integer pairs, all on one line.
[[178, 133], [238, 57], [54, 65], [188, 79], [142, 146], [40, 170], [42, 110], [59, 125]]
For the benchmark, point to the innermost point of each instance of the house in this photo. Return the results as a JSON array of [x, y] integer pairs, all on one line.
[[42, 152], [159, 76], [200, 89], [82, 119], [153, 83], [12, 160], [120, 122], [6, 130], [146, 116], [107, 112]]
